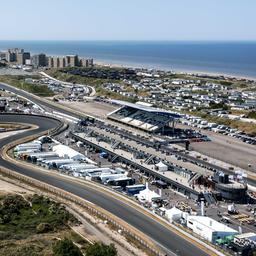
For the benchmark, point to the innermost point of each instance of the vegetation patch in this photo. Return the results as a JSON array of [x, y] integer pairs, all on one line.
[[19, 82], [21, 218], [30, 225], [38, 226], [63, 75], [252, 115], [97, 83], [13, 126]]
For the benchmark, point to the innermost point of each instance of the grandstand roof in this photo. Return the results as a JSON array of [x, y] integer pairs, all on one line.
[[146, 108]]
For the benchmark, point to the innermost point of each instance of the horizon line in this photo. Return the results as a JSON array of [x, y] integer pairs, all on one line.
[[130, 40]]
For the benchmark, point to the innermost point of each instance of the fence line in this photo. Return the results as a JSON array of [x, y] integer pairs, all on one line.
[[95, 210]]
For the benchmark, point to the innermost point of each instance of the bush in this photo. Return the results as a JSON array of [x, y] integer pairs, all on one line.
[[226, 83], [21, 218], [13, 204], [27, 250], [43, 228], [19, 82], [218, 105], [252, 115], [66, 247], [100, 249]]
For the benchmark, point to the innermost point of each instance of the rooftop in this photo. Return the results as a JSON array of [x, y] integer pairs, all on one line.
[[146, 108], [211, 223]]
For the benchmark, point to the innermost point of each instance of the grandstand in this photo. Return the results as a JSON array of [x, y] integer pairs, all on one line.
[[144, 117]]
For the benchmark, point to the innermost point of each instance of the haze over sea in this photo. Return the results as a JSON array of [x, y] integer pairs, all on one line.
[[230, 58]]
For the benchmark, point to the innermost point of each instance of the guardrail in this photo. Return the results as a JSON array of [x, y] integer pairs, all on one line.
[[90, 208], [127, 230], [154, 251]]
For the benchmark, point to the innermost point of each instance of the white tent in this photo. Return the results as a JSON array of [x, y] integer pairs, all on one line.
[[147, 195], [67, 152], [173, 214], [161, 167]]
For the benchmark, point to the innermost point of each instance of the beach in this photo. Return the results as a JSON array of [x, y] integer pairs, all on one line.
[[236, 59], [186, 72]]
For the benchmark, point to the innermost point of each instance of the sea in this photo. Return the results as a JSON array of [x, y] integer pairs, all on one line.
[[227, 58]]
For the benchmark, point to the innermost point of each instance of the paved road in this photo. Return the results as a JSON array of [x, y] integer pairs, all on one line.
[[48, 107], [90, 89], [163, 236], [35, 99], [226, 148]]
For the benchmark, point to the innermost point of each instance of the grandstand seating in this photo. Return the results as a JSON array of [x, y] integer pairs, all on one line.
[[143, 119]]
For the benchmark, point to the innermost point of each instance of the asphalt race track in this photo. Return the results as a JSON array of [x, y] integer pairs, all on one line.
[[163, 236], [51, 107], [34, 99]]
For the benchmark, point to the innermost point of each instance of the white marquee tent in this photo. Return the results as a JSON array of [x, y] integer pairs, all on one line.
[[67, 152]]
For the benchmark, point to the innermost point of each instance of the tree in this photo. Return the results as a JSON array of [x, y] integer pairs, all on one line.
[[66, 247], [100, 249]]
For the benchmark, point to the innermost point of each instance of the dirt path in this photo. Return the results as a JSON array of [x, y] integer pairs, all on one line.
[[96, 230], [8, 188], [91, 230]]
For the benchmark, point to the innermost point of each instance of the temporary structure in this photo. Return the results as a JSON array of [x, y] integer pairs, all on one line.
[[161, 167], [147, 195], [173, 214], [67, 152]]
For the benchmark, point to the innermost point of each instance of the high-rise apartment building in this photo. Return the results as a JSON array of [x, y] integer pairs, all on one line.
[[86, 62], [68, 61], [62, 62], [17, 55], [39, 60], [3, 55], [21, 57], [72, 61], [50, 62], [12, 54], [56, 62]]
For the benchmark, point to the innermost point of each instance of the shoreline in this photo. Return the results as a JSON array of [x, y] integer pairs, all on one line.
[[177, 71], [125, 64], [234, 59]]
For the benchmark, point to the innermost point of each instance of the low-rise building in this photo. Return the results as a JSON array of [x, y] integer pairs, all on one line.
[[209, 228]]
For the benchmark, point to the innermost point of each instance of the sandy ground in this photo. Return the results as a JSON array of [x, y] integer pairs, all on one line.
[[91, 229], [97, 109], [96, 230], [6, 188]]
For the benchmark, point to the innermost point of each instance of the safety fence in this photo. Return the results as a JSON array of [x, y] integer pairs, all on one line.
[[131, 233], [134, 235]]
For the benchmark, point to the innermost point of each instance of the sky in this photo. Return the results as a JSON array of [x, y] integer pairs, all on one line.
[[191, 20]]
